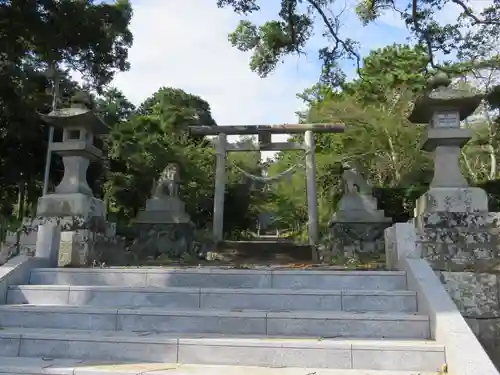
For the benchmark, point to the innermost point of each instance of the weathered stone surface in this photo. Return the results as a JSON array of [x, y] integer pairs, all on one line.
[[452, 199], [400, 242], [453, 241], [488, 332], [461, 249], [479, 220], [475, 294], [172, 239]]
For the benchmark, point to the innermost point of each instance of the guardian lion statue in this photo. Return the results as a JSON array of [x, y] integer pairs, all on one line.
[[168, 182], [353, 181]]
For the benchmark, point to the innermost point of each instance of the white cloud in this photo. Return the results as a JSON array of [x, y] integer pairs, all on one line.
[[447, 15], [184, 44]]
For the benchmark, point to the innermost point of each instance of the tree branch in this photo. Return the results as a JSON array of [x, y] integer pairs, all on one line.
[[335, 36], [418, 29], [469, 13]]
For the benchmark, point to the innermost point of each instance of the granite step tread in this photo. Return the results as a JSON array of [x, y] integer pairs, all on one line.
[[222, 278], [253, 350], [236, 321], [273, 291], [220, 339], [310, 315], [218, 269], [215, 298], [49, 366]]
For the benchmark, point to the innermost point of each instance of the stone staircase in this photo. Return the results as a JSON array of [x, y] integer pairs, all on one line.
[[215, 321]]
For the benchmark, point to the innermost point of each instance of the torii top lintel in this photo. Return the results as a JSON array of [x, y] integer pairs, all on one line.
[[272, 129]]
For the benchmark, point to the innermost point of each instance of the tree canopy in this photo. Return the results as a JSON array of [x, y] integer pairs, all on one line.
[[471, 37]]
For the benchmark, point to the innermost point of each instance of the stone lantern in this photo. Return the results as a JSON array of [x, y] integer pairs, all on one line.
[[77, 212], [443, 108]]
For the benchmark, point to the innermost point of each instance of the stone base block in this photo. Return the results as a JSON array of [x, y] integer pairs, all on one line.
[[48, 242], [165, 204], [75, 248], [352, 232], [357, 202], [460, 241], [174, 239], [151, 218], [475, 294], [458, 220], [70, 205], [469, 200], [163, 210], [72, 211], [351, 240], [400, 242]]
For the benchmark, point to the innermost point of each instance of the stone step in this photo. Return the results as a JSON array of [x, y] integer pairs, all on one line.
[[214, 298], [23, 365], [208, 277], [218, 350], [265, 250], [300, 323]]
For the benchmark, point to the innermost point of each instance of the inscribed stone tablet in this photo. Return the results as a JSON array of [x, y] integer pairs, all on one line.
[[449, 119]]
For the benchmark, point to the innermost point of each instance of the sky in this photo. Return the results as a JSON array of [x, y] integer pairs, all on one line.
[[184, 44]]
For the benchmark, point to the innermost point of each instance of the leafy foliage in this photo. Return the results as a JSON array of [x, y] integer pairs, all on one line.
[[471, 37]]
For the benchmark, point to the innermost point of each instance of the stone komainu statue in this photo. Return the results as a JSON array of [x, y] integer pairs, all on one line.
[[168, 182], [354, 183]]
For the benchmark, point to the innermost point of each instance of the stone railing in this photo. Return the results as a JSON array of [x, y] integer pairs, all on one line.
[[464, 353], [17, 271]]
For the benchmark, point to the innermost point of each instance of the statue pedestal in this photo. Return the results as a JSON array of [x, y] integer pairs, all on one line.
[[163, 228], [358, 226], [163, 210]]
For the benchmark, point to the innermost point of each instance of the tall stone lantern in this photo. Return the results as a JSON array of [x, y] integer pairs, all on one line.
[[443, 108], [78, 213]]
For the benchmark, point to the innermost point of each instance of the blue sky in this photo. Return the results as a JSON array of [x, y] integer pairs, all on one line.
[[184, 44]]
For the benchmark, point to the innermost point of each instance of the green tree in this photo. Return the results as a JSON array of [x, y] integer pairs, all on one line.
[[90, 37]]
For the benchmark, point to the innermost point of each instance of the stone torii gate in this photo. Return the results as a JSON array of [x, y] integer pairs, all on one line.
[[264, 133]]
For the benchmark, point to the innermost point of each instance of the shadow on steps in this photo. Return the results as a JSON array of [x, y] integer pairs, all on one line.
[[264, 251]]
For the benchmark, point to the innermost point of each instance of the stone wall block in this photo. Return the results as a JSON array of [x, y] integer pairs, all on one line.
[[452, 220], [458, 235], [475, 294]]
